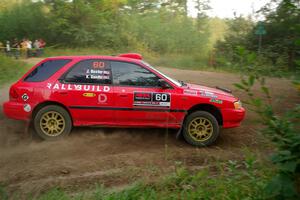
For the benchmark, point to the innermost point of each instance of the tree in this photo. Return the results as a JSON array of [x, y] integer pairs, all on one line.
[[237, 35], [283, 29]]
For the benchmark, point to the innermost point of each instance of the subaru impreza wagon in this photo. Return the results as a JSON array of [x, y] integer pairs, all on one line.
[[118, 91]]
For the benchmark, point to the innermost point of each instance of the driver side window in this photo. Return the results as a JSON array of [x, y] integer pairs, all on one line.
[[129, 74]]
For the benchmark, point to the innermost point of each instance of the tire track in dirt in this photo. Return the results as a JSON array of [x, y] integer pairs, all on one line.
[[113, 156]]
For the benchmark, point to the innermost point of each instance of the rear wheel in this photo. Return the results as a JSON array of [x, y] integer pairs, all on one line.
[[52, 122], [200, 128]]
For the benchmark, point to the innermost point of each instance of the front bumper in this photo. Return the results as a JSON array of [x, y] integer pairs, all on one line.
[[15, 110], [233, 117]]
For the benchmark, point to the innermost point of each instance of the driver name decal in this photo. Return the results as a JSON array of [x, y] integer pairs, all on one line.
[[152, 99]]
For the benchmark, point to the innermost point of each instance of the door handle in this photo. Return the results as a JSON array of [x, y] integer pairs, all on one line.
[[122, 95], [63, 93]]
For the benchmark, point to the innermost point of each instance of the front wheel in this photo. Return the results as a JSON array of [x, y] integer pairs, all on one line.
[[200, 128], [52, 122]]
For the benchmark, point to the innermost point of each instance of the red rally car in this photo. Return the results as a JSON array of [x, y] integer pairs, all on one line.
[[120, 91]]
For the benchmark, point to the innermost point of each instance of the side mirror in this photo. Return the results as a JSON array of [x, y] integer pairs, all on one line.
[[163, 84]]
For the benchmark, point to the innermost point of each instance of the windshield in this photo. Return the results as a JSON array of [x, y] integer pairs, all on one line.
[[170, 79]]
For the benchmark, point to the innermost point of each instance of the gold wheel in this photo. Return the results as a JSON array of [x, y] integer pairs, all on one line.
[[52, 123], [200, 129]]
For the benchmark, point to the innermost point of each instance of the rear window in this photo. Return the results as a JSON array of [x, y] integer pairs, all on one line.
[[45, 70]]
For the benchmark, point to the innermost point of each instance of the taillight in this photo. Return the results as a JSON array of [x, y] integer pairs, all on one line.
[[13, 93]]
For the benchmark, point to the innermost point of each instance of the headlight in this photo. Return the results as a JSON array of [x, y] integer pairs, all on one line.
[[238, 105]]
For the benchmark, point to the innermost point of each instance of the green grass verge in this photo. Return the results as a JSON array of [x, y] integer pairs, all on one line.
[[11, 69], [3, 194], [49, 52], [230, 180]]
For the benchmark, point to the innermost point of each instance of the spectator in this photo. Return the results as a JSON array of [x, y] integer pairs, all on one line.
[[24, 48], [42, 45], [36, 46], [16, 48], [29, 48], [7, 48], [42, 42]]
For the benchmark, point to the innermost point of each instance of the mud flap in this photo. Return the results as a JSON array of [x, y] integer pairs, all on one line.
[[178, 134]]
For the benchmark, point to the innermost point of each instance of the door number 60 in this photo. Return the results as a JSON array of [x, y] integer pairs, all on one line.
[[161, 97]]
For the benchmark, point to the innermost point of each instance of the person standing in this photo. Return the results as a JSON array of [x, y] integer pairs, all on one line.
[[16, 48], [36, 46], [42, 45], [29, 48], [24, 48], [7, 48]]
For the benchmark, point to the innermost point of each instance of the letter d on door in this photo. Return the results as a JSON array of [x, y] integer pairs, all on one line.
[[102, 98]]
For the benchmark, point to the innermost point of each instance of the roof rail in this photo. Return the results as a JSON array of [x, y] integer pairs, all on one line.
[[131, 55]]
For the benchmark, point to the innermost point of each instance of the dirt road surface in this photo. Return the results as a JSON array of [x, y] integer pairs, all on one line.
[[117, 157]]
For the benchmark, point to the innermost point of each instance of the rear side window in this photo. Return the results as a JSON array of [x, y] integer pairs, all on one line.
[[45, 70], [91, 71]]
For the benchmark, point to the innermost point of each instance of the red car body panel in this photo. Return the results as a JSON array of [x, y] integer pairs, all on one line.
[[115, 105]]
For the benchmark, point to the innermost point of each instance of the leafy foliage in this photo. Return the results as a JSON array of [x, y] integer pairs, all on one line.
[[283, 29], [154, 25], [283, 131]]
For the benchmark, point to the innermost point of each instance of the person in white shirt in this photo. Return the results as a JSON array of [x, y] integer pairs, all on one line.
[[36, 46], [7, 48], [29, 48]]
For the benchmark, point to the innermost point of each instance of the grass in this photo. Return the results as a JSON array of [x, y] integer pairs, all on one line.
[[11, 69], [76, 51], [3, 194], [244, 179]]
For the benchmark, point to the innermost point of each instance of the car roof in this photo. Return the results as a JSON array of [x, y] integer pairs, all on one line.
[[116, 58]]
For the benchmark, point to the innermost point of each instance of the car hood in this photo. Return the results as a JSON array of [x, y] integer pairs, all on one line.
[[207, 91]]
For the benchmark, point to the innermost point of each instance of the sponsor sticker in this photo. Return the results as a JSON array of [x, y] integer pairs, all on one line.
[[152, 99], [25, 97], [190, 92], [27, 108], [218, 101], [102, 98], [208, 94], [76, 87], [88, 94]]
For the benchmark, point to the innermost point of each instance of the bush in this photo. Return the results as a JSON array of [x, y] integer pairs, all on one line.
[[283, 131]]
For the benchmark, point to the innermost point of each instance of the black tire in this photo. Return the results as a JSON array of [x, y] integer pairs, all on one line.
[[60, 127], [206, 136]]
